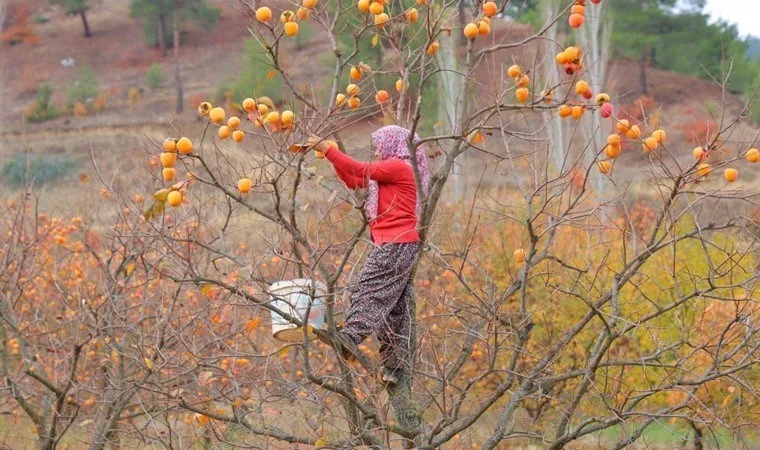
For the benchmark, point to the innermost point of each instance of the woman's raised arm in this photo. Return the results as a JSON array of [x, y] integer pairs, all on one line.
[[383, 171]]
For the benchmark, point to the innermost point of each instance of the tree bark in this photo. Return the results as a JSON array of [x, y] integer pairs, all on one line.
[[177, 79], [461, 17], [407, 411], [697, 436], [643, 73], [46, 443], [161, 34], [83, 15]]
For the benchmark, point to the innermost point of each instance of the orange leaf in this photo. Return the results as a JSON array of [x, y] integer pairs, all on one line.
[[270, 75], [252, 324], [207, 290]]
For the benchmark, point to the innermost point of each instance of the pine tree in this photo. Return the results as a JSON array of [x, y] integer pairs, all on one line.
[[678, 36], [79, 7], [157, 17]]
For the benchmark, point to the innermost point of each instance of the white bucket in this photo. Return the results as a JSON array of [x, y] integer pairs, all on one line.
[[292, 297]]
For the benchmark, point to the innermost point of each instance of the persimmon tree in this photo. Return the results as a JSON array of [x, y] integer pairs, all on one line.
[[546, 310]]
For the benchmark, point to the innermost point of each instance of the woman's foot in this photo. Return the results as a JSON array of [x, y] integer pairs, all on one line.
[[346, 346], [342, 344]]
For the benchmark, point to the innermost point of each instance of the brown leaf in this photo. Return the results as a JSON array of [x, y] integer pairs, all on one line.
[[205, 378]]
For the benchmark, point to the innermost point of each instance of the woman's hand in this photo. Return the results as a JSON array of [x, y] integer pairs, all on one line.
[[315, 142], [319, 145]]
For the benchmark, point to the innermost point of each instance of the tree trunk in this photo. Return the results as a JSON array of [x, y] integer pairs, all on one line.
[[161, 34], [697, 436], [407, 411], [461, 11], [177, 78], [643, 73], [46, 443], [83, 15]]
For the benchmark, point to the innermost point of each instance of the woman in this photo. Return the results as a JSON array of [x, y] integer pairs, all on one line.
[[380, 297]]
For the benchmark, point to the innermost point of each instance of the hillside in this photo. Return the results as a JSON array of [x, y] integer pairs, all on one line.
[[120, 59]]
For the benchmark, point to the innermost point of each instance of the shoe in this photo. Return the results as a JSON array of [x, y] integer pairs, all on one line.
[[346, 346], [342, 344]]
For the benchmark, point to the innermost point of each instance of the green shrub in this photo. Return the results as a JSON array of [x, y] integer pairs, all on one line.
[[85, 87], [42, 110], [41, 19], [42, 169], [252, 79], [154, 78], [305, 34], [752, 95]]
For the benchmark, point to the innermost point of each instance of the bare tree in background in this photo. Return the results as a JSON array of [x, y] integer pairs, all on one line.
[[595, 39], [2, 14], [180, 100], [552, 73]]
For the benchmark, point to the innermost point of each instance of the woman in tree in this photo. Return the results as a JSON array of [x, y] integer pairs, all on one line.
[[380, 297]]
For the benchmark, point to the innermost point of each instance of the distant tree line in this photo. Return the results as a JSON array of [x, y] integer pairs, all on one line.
[[675, 35]]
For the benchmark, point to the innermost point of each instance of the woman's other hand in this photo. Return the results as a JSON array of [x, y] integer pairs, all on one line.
[[320, 145], [315, 142]]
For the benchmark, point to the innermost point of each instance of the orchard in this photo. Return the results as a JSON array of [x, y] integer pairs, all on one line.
[[586, 274]]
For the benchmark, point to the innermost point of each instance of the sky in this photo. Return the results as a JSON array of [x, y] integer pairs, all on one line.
[[743, 13]]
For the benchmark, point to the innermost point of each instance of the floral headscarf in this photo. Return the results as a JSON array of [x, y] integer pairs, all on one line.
[[392, 142]]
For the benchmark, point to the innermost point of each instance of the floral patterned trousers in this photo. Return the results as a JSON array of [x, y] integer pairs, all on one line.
[[380, 301]]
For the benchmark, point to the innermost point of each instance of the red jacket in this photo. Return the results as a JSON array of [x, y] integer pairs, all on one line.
[[396, 220]]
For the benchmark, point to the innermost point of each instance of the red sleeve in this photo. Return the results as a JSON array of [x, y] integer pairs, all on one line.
[[351, 181], [382, 171]]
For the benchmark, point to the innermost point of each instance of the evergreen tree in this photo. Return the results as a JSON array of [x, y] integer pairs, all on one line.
[[157, 17], [79, 7], [677, 35]]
